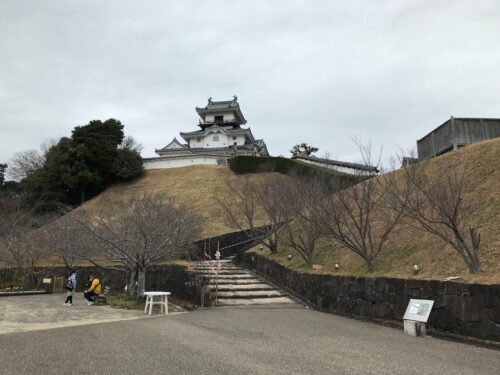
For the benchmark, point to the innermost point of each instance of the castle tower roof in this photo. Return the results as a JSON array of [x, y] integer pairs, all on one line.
[[227, 106]]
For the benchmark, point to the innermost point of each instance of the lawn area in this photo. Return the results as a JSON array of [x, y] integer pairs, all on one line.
[[121, 300]]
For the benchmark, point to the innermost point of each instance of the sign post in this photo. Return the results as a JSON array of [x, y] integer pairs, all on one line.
[[217, 270], [416, 315]]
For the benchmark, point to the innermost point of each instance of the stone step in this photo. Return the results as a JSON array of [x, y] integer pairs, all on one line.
[[251, 294], [222, 272], [254, 301], [236, 281], [224, 267], [239, 287], [239, 276], [207, 262]]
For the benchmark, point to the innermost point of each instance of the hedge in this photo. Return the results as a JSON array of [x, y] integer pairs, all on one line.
[[256, 164]]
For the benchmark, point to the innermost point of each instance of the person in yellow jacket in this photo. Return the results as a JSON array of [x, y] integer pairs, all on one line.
[[94, 289]]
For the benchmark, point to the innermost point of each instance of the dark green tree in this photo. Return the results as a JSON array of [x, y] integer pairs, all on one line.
[[80, 167], [303, 148], [128, 164], [101, 141]]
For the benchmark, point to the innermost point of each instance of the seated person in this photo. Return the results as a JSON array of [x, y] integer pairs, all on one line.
[[93, 291]]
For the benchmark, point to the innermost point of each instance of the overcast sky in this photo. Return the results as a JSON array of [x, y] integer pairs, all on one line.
[[320, 72]]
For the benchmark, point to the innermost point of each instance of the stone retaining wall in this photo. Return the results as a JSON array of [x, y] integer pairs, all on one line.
[[465, 309]]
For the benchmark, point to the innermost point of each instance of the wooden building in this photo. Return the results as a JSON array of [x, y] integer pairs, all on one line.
[[457, 132]]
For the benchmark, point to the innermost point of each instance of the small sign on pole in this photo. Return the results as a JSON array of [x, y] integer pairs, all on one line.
[[416, 315], [317, 267]]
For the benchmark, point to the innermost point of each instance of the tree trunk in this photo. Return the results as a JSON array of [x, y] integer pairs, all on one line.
[[137, 281], [132, 283], [475, 237], [141, 281], [273, 243], [371, 263]]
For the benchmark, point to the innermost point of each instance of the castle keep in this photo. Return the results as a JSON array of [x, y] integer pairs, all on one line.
[[221, 136]]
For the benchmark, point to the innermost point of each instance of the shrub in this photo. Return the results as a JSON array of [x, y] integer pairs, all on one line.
[[255, 164]]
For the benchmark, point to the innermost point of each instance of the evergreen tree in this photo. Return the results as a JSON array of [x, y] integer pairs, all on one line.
[[80, 167], [303, 148]]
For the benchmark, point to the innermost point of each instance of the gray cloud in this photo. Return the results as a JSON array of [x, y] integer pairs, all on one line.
[[320, 72]]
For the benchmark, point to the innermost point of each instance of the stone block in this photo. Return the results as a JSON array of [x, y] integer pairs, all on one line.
[[396, 286], [490, 300], [452, 288], [484, 330], [383, 310], [415, 284], [493, 314], [382, 284], [371, 296]]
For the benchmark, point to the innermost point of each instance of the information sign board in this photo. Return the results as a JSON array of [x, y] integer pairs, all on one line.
[[418, 310]]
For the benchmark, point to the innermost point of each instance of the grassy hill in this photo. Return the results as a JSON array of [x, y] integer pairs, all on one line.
[[409, 245], [198, 186]]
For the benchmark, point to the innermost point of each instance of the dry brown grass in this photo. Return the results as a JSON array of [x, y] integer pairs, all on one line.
[[408, 245], [198, 186], [195, 187]]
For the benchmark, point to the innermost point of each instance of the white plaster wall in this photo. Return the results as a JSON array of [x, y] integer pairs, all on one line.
[[240, 140], [352, 171], [224, 141], [210, 143], [193, 143], [178, 163]]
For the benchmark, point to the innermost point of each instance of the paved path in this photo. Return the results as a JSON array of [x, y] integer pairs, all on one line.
[[31, 313], [239, 341]]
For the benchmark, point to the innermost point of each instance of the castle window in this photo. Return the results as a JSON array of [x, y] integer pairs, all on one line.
[[198, 139], [234, 138], [216, 138], [218, 118]]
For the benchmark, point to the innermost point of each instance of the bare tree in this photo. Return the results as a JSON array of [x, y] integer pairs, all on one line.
[[60, 239], [138, 234], [25, 163], [302, 228], [20, 247], [129, 143], [255, 208], [361, 217], [438, 204]]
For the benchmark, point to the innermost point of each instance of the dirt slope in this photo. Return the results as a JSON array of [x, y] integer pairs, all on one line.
[[408, 245], [196, 187]]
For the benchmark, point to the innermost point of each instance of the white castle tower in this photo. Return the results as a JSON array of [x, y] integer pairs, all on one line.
[[220, 138]]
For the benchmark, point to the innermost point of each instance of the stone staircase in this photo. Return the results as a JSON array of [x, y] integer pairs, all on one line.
[[239, 286]]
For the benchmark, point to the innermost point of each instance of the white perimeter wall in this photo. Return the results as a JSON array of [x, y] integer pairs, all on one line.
[[338, 168], [177, 163]]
